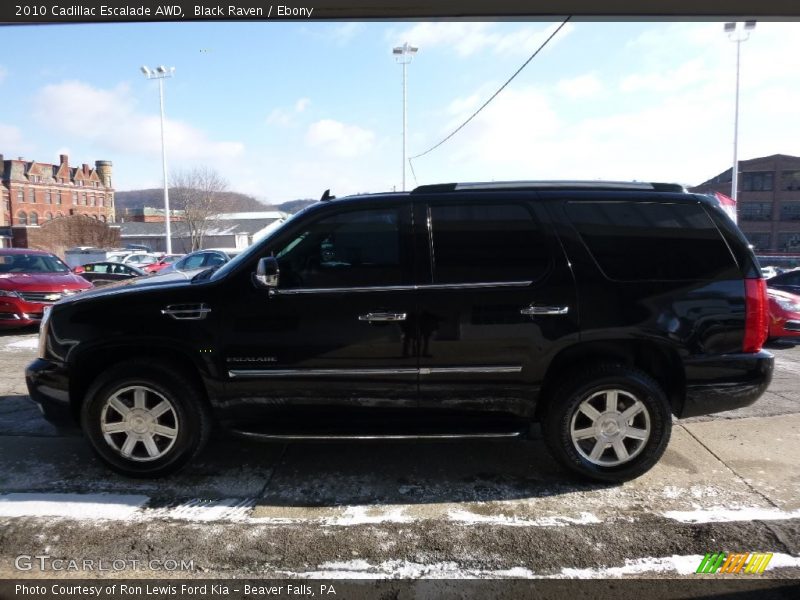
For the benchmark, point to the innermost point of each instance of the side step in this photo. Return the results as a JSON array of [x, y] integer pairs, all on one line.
[[381, 426], [310, 437]]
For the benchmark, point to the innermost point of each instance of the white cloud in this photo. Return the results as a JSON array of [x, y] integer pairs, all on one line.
[[285, 116], [10, 137], [339, 139], [343, 33], [109, 119], [468, 38], [581, 87]]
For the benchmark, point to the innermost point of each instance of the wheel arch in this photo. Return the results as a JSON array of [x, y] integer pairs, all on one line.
[[89, 365], [658, 360]]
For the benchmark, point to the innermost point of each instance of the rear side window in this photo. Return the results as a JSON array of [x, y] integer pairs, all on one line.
[[486, 243], [639, 241]]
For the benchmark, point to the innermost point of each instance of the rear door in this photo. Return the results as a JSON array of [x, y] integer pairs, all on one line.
[[499, 302]]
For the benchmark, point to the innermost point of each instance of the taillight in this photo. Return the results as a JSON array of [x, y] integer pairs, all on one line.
[[756, 323]]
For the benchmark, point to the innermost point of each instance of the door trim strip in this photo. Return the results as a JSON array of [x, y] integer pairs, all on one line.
[[401, 288], [254, 373]]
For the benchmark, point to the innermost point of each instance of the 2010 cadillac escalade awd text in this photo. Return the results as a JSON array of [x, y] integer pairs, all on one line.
[[455, 310]]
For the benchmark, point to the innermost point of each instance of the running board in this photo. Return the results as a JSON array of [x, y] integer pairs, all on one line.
[[311, 437]]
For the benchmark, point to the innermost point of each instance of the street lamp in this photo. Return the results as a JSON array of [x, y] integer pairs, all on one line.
[[161, 73], [737, 32], [403, 55]]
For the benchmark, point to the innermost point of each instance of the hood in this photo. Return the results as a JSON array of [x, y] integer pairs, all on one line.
[[177, 278], [42, 282]]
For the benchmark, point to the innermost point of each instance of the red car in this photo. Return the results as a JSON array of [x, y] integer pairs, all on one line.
[[784, 314], [30, 280], [162, 262]]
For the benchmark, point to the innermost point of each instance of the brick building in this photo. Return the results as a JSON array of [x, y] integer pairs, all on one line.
[[35, 192], [768, 207]]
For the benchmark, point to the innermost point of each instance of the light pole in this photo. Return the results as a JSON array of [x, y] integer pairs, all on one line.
[[404, 55], [161, 73], [737, 32]]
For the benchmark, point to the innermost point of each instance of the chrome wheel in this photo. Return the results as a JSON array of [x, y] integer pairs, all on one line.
[[139, 423], [610, 427]]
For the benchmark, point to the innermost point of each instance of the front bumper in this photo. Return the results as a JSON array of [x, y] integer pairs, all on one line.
[[727, 382], [20, 313], [48, 387]]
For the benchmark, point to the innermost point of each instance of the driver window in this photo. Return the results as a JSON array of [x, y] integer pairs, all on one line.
[[352, 249]]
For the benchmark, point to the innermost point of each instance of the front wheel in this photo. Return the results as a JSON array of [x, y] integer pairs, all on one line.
[[609, 424], [144, 420]]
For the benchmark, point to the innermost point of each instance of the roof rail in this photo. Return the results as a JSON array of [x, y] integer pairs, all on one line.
[[548, 185]]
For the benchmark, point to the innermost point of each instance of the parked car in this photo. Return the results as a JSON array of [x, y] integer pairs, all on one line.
[[200, 259], [454, 310], [162, 263], [31, 280], [139, 259], [103, 273], [787, 282], [770, 271], [784, 314]]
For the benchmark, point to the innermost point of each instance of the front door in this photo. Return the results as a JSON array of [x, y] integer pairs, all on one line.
[[335, 333]]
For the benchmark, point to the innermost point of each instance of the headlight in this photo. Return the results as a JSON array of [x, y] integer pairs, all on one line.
[[9, 293], [43, 327]]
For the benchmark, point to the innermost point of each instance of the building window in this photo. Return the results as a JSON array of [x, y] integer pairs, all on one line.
[[58, 197], [91, 200], [757, 181], [83, 199], [20, 196], [755, 211], [788, 242], [74, 198], [103, 218], [34, 218], [760, 241], [790, 180], [33, 196], [48, 216], [48, 197], [101, 200], [22, 217], [790, 211]]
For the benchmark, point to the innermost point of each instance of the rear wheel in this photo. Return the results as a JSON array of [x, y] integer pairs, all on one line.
[[145, 420], [611, 423]]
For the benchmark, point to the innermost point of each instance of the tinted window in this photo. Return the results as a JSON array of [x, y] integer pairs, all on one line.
[[31, 263], [193, 262], [351, 249], [475, 243], [635, 241]]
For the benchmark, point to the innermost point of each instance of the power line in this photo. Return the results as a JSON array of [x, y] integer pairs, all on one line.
[[485, 104]]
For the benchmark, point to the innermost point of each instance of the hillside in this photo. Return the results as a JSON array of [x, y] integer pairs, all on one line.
[[234, 201]]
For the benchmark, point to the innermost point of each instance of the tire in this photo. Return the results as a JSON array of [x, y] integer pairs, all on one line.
[[602, 444], [144, 419]]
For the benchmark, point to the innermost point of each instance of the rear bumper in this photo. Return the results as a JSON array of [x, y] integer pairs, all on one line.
[[720, 383], [48, 387]]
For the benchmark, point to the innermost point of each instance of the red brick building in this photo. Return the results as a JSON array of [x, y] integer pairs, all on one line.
[[769, 201], [35, 192]]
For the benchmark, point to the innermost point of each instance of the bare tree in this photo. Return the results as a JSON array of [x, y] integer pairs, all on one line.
[[198, 193]]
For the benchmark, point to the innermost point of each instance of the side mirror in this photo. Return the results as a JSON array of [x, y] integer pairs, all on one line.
[[267, 273]]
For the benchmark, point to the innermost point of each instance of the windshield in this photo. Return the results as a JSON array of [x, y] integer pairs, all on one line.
[[253, 249], [31, 263]]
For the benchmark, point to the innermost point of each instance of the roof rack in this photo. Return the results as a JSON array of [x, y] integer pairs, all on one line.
[[550, 185]]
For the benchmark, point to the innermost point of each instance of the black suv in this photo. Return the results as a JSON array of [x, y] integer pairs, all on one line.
[[455, 310]]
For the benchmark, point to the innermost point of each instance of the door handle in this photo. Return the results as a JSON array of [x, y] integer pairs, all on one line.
[[544, 310], [382, 317]]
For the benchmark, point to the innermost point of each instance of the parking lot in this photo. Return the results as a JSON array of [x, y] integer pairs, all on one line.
[[729, 482]]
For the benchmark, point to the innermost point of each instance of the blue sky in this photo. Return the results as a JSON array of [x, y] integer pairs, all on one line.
[[286, 110]]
